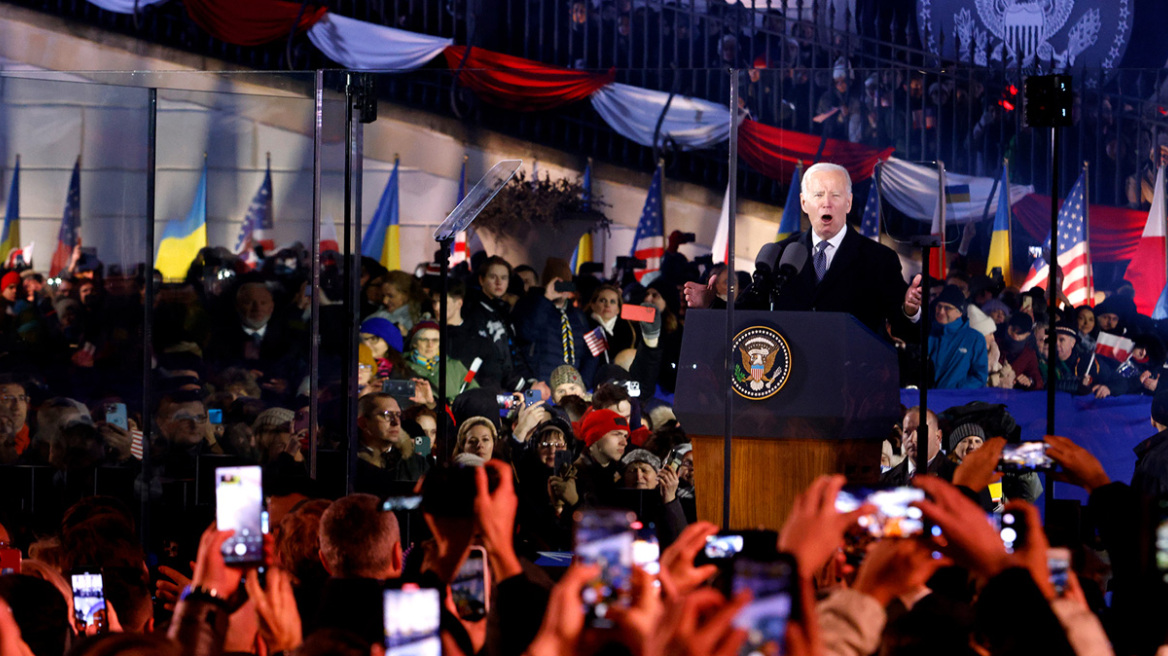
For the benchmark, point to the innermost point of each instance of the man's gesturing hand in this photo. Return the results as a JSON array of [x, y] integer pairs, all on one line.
[[912, 297]]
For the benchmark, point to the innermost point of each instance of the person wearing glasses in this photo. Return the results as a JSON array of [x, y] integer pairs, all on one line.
[[386, 453], [14, 429], [183, 432]]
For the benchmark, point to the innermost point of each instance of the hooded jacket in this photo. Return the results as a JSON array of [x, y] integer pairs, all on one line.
[[959, 355]]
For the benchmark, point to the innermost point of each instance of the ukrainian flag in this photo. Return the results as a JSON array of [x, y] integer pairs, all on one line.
[[584, 247], [1000, 243], [792, 210], [380, 241], [10, 236], [182, 240]]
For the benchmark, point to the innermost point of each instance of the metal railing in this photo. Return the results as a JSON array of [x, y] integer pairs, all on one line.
[[927, 107]]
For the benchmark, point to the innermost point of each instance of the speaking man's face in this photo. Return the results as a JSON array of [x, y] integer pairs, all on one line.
[[827, 202]]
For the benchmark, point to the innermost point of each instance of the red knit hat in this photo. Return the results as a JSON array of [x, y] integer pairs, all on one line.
[[598, 423], [10, 278]]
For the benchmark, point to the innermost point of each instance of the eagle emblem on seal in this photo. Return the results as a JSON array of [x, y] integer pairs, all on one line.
[[764, 362]]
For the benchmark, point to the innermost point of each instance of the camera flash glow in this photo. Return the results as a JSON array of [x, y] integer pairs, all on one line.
[[1009, 535]]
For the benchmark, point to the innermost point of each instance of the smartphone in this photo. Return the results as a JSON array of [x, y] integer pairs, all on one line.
[[774, 588], [563, 461], [647, 551], [633, 387], [532, 396], [1027, 456], [894, 517], [1058, 561], [723, 547], [422, 445], [471, 586], [638, 313], [412, 502], [1012, 529], [565, 286], [88, 599], [506, 401], [604, 537], [115, 413], [239, 504], [410, 617], [215, 416], [9, 560], [400, 388]]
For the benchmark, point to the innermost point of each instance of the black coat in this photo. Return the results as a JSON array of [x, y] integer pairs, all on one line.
[[864, 280]]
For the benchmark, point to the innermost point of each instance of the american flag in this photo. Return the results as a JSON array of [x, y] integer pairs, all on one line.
[[596, 341], [649, 244], [1073, 257], [257, 223], [68, 238], [136, 438], [870, 222]]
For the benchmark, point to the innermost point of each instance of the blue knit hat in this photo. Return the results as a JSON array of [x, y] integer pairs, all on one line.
[[384, 329]]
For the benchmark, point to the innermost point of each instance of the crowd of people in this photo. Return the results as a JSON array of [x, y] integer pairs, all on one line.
[[555, 406]]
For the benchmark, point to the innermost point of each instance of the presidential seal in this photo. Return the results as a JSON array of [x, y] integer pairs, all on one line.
[[762, 363]]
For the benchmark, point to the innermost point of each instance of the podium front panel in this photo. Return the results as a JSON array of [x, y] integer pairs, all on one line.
[[842, 381]]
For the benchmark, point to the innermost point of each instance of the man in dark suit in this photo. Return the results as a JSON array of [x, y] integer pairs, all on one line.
[[254, 337], [939, 462], [845, 271]]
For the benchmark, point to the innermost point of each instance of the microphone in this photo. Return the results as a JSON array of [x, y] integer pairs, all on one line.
[[763, 279], [792, 262]]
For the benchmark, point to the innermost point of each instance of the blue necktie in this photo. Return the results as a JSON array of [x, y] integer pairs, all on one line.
[[820, 259]]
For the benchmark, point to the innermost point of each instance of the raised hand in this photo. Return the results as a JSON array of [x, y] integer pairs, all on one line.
[[815, 529], [279, 619], [678, 575]]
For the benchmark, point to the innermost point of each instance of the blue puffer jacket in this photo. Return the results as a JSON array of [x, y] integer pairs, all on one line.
[[537, 328], [959, 355]]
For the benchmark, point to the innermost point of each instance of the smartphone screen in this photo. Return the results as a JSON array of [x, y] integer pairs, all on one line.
[[764, 619], [1027, 456], [605, 538], [115, 413], [470, 588], [1058, 561], [721, 547], [88, 599], [215, 416], [410, 617], [412, 502], [239, 502], [894, 517]]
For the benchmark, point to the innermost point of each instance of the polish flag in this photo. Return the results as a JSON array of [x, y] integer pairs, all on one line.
[[1113, 346], [1147, 271]]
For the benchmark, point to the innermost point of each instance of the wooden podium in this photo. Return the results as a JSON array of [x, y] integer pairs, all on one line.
[[838, 399]]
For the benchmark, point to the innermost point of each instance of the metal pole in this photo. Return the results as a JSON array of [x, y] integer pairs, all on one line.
[[444, 246], [148, 310], [731, 283], [922, 417], [314, 321], [1052, 292], [352, 259]]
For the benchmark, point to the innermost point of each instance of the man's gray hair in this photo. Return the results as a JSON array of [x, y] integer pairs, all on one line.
[[822, 167]]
